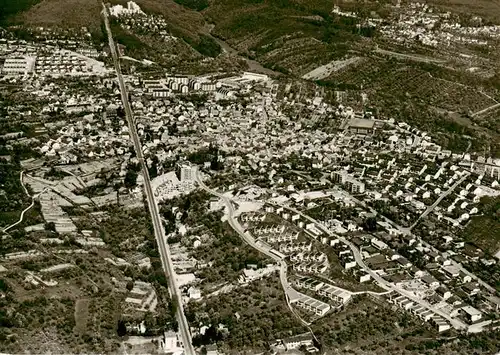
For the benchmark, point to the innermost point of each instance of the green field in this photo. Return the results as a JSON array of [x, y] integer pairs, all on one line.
[[484, 231]]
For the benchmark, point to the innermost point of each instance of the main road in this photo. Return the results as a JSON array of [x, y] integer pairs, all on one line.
[[163, 248]]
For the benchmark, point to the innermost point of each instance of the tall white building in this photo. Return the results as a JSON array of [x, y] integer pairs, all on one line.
[[186, 172]]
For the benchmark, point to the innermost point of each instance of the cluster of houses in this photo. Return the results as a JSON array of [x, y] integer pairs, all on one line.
[[425, 24], [46, 60], [336, 294], [286, 239], [64, 62], [168, 87], [409, 185], [295, 342]]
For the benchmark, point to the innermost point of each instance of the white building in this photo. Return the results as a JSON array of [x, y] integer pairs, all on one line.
[[311, 304], [472, 314], [297, 341], [18, 65], [186, 172]]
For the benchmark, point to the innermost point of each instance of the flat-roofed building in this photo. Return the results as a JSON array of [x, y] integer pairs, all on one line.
[[309, 283], [297, 341], [471, 314], [312, 305], [335, 293], [361, 126], [18, 65], [440, 324], [346, 179]]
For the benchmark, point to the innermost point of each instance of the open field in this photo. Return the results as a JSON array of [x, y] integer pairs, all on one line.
[[81, 315], [367, 326], [254, 315], [484, 231]]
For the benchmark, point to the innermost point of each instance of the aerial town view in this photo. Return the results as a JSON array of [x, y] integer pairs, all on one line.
[[250, 177]]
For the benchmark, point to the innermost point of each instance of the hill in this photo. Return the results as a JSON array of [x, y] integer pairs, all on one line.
[[291, 36], [13, 7], [62, 13], [86, 13]]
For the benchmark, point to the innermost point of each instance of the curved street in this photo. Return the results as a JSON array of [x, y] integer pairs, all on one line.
[[290, 293], [382, 283]]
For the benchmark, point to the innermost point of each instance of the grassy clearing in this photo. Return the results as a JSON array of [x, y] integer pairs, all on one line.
[[81, 315], [484, 232], [367, 326]]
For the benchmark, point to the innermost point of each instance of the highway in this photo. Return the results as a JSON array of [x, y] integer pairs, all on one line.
[[164, 251]]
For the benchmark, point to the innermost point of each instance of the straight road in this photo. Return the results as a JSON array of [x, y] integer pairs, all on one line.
[[440, 198], [163, 248]]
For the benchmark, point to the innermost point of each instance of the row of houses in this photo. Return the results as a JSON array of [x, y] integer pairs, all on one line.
[[289, 248], [311, 304], [423, 313], [334, 293], [311, 267], [164, 87]]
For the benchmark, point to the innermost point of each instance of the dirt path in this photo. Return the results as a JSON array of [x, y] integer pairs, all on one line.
[[253, 65]]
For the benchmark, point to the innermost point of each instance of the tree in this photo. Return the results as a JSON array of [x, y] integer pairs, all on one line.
[[370, 224], [130, 285], [130, 178], [50, 226], [122, 328]]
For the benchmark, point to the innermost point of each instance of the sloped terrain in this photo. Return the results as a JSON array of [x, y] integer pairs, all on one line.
[[62, 13], [291, 36], [86, 13]]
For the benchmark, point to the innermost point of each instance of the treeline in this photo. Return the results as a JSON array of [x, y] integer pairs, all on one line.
[[10, 8], [197, 5], [206, 45]]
